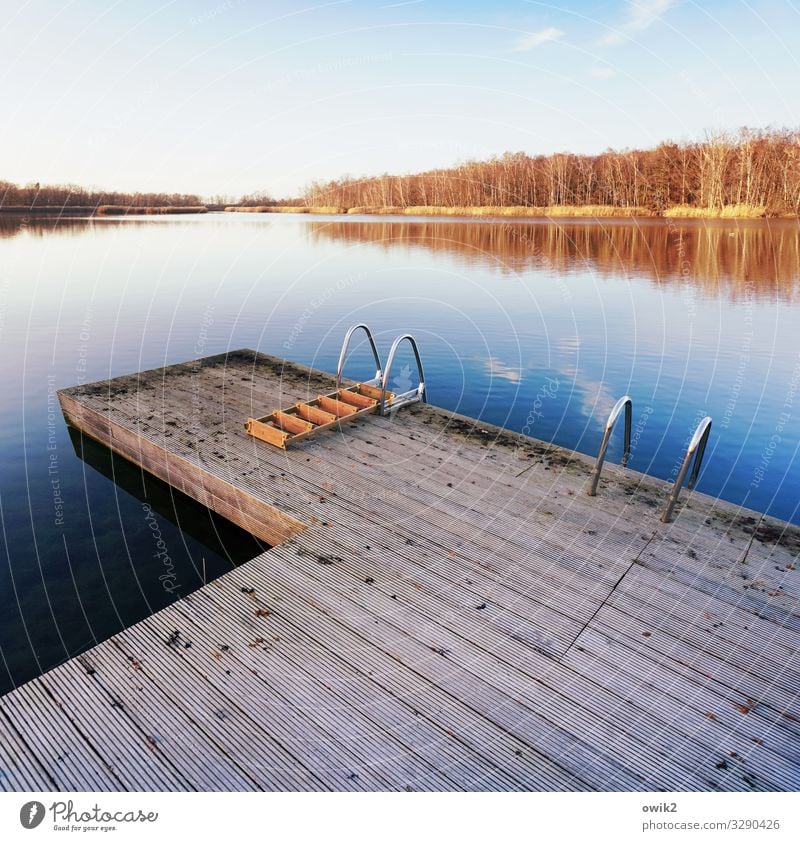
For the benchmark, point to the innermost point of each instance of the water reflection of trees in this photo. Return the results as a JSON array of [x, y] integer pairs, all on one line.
[[757, 257], [760, 258], [13, 224]]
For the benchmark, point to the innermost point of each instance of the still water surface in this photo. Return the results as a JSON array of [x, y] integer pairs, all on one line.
[[534, 326]]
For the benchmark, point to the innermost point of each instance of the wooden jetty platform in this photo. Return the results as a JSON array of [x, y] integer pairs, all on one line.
[[444, 608]]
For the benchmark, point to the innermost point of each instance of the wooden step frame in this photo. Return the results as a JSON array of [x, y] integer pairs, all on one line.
[[284, 427]]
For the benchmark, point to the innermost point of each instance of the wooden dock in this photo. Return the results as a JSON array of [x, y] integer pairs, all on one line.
[[444, 609]]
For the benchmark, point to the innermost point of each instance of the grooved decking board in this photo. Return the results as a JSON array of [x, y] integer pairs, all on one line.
[[444, 609]]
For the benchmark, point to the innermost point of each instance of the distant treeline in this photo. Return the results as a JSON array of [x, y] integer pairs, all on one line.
[[71, 195], [757, 171], [750, 173], [260, 199]]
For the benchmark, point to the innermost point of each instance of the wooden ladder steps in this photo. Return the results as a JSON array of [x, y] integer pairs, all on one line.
[[287, 426]]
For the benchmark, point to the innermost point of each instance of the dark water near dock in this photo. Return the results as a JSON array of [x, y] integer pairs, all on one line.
[[537, 327]]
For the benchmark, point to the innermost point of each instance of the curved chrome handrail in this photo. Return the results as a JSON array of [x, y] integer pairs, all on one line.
[[343, 354], [623, 403], [697, 448], [410, 396]]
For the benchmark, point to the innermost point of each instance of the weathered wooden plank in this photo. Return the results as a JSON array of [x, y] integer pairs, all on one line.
[[20, 768], [334, 740], [734, 748], [461, 534], [667, 656], [71, 762], [353, 683], [462, 719], [270, 524], [115, 740], [553, 586], [483, 676], [166, 726], [409, 633]]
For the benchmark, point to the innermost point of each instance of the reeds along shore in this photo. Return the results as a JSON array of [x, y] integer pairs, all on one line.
[[738, 211], [731, 211], [514, 210], [128, 210], [279, 208], [418, 210]]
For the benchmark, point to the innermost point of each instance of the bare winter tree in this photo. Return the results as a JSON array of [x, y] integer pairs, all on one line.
[[757, 170]]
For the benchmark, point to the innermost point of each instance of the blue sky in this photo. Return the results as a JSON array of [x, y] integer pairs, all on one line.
[[230, 96]]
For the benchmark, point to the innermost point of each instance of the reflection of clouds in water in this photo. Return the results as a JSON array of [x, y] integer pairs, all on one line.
[[596, 400], [593, 397], [497, 368]]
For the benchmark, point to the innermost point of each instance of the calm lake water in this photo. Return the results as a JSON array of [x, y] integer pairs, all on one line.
[[533, 326]]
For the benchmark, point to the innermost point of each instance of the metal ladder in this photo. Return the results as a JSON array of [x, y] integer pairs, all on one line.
[[284, 427], [415, 395], [696, 450]]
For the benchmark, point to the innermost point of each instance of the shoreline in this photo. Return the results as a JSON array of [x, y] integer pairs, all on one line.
[[557, 212], [100, 210], [521, 212]]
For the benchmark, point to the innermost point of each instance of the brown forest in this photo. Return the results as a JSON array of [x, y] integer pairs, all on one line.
[[755, 169], [71, 195], [751, 173]]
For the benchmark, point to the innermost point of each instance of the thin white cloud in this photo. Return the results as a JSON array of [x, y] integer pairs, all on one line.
[[497, 368], [536, 39], [641, 15], [603, 72], [403, 3]]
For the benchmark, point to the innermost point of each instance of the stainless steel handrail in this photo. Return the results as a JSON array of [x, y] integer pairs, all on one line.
[[343, 354], [697, 448], [410, 396], [623, 403]]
